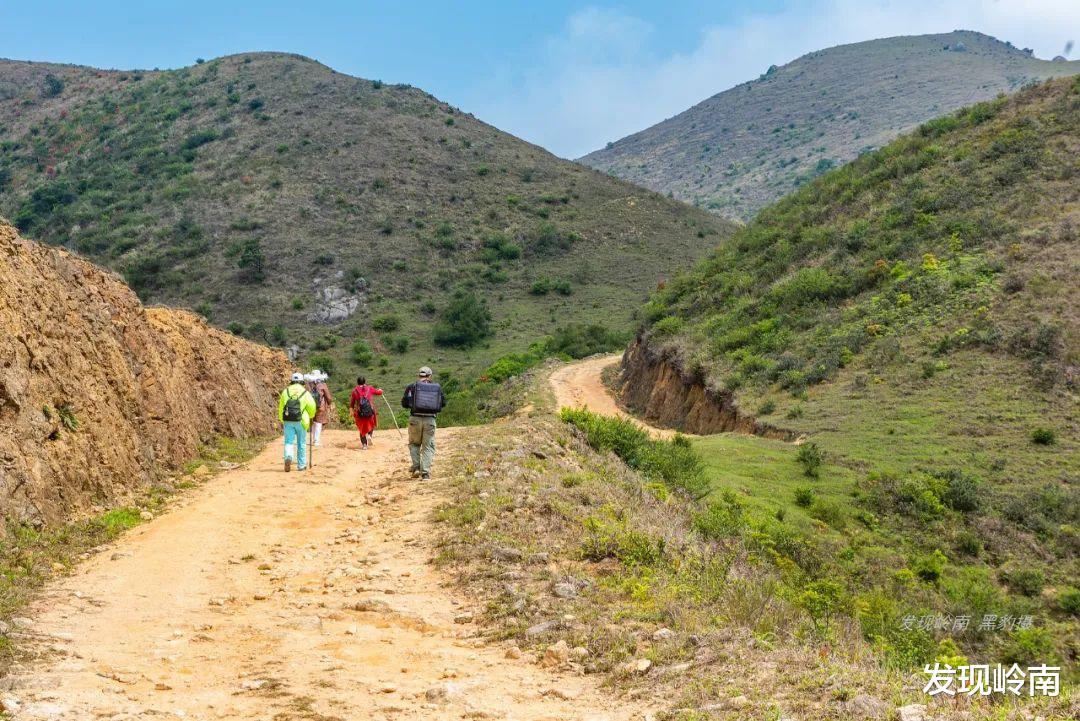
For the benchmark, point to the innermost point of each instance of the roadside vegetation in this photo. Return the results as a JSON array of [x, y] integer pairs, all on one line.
[[911, 315], [730, 605]]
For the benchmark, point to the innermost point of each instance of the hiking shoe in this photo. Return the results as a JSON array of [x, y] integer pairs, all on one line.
[[414, 472], [425, 476], [288, 465]]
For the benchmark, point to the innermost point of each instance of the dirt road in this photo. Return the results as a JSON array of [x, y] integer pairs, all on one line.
[[579, 384], [266, 595]]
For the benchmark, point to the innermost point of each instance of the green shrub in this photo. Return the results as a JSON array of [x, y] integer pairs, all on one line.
[[53, 86], [930, 567], [810, 457], [323, 362], [386, 323], [962, 492], [675, 462], [199, 139], [463, 323], [829, 512], [361, 352], [546, 240], [235, 328], [1043, 436], [541, 286], [578, 340], [1023, 579], [968, 544], [823, 600], [1069, 601], [1027, 646], [804, 496], [766, 408], [251, 262], [721, 519], [614, 539], [297, 303]]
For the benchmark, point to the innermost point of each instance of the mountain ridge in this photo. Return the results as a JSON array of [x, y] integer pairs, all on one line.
[[744, 147], [299, 205]]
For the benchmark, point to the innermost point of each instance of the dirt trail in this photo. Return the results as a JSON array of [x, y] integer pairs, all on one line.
[[266, 595], [580, 384]]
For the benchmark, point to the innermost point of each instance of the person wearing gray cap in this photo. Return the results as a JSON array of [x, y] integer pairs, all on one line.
[[424, 399]]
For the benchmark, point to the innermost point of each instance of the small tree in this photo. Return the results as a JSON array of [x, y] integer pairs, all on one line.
[[251, 262], [53, 86], [463, 323]]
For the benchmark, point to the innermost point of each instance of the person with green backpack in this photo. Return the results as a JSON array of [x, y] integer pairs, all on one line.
[[296, 408]]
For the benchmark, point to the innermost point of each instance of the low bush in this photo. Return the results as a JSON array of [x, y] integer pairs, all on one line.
[[804, 496], [386, 323], [1023, 579], [674, 462], [463, 323], [810, 457], [1043, 437], [723, 518], [361, 352], [614, 539], [1069, 601]]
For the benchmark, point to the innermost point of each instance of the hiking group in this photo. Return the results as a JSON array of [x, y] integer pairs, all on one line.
[[304, 407]]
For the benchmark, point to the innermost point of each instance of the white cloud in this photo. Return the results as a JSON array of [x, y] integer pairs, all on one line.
[[598, 80]]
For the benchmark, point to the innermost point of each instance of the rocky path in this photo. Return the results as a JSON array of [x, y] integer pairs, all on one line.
[[266, 595], [580, 385]]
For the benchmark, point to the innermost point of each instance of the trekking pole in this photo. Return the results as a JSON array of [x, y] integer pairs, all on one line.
[[311, 447], [393, 416]]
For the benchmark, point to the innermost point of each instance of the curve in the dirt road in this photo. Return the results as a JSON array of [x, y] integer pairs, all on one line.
[[581, 385]]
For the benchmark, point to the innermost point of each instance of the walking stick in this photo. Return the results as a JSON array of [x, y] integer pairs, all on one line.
[[311, 447], [393, 416]]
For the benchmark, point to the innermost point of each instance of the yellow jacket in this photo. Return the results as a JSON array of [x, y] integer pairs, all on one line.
[[307, 403]]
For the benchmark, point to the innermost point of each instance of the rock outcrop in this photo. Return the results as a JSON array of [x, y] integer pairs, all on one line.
[[656, 388], [99, 394]]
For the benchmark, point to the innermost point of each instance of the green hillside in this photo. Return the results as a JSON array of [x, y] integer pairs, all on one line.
[[914, 315], [748, 146], [304, 207]]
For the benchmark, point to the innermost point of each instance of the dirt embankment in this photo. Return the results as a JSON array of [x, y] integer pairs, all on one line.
[[96, 391], [656, 388]]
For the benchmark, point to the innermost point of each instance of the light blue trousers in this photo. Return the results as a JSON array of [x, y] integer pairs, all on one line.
[[295, 434]]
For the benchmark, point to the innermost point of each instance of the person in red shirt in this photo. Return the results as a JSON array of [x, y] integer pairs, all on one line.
[[362, 406]]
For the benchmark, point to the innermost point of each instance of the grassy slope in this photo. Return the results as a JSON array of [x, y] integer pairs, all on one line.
[[914, 314], [166, 176], [746, 147], [730, 625]]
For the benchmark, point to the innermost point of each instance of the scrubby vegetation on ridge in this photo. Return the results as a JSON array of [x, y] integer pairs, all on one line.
[[750, 145], [937, 239], [914, 314], [263, 189]]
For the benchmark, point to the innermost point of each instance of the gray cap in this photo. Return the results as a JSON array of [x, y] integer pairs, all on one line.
[[424, 372]]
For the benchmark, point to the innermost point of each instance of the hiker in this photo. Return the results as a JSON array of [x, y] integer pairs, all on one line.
[[296, 408], [424, 399], [324, 404], [362, 406]]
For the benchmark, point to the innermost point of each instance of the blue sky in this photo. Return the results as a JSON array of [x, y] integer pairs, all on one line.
[[565, 74]]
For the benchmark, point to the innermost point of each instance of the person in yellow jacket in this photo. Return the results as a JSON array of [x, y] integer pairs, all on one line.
[[295, 410]]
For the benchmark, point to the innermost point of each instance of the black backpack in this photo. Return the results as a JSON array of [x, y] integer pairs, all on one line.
[[317, 396], [364, 409], [294, 411], [427, 398]]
